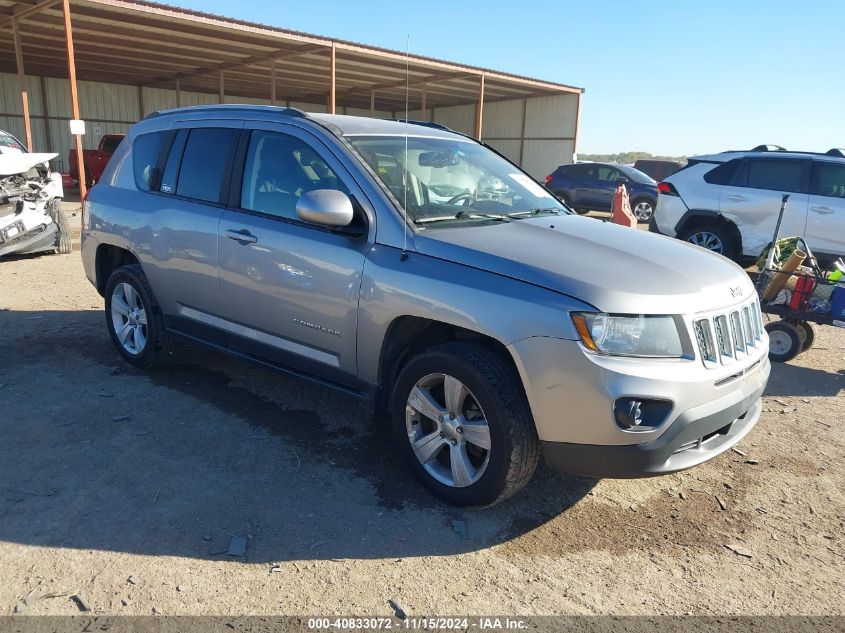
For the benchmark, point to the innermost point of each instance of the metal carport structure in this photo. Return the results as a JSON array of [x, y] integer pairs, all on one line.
[[127, 58]]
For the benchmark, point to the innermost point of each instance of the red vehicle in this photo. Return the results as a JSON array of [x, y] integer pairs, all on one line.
[[95, 159]]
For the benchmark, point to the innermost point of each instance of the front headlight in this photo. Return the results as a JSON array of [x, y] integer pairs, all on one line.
[[629, 335]]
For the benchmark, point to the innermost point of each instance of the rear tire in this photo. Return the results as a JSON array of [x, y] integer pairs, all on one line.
[[134, 319], [491, 404], [713, 236], [64, 243], [784, 341], [643, 209]]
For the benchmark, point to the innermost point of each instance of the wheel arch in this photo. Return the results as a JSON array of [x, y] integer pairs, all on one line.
[[407, 336], [703, 217], [108, 259]]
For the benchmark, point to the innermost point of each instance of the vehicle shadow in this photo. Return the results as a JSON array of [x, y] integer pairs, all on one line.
[[793, 380], [95, 454]]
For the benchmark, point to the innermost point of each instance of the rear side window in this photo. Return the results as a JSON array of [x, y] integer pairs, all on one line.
[[828, 180], [724, 173], [206, 163], [148, 151], [772, 174]]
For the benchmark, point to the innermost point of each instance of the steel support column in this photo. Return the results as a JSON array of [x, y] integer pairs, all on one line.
[[332, 76], [27, 124], [479, 112], [74, 97]]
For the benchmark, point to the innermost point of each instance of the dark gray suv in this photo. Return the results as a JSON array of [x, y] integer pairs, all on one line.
[[417, 269]]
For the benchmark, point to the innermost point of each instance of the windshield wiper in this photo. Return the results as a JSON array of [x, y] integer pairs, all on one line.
[[462, 215], [529, 212]]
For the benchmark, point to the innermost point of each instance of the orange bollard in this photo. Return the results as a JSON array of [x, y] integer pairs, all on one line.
[[621, 209]]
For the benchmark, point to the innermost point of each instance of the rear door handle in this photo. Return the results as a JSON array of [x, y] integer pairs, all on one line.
[[823, 210], [242, 236], [737, 198]]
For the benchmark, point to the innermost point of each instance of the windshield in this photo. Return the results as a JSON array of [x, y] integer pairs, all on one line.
[[637, 176], [9, 141], [451, 181]]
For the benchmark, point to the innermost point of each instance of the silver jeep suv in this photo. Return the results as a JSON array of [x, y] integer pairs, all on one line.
[[419, 270]]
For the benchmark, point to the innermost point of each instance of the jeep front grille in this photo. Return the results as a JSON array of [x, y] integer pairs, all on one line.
[[727, 336]]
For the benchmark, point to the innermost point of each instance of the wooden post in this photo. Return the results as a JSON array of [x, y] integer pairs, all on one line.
[[423, 105], [27, 124], [45, 107], [140, 103], [273, 82], [178, 95], [222, 89], [74, 97], [373, 102], [522, 139], [332, 73], [479, 112], [577, 125]]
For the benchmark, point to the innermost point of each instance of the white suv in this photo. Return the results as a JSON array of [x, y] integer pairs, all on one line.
[[729, 202]]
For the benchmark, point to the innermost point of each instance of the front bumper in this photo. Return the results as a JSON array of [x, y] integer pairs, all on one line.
[[693, 438], [572, 394], [42, 238]]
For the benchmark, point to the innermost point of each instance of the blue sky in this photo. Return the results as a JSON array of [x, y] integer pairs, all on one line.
[[668, 77]]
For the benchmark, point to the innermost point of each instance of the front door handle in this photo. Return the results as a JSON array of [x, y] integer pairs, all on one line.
[[823, 210], [737, 198], [242, 236]]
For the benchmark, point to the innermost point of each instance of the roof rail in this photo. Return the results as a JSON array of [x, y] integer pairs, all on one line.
[[436, 126], [768, 148], [231, 107]]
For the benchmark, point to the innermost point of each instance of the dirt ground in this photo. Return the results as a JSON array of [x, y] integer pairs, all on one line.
[[127, 488]]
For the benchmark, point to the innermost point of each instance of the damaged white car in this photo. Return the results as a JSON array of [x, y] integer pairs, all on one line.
[[31, 218]]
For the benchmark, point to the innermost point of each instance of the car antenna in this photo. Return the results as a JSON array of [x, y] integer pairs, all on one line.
[[404, 254]]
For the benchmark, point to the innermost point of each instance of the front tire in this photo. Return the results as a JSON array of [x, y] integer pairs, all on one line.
[[64, 243], [135, 320], [464, 425]]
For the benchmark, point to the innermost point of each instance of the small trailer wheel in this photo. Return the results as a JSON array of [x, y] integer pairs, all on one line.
[[784, 341], [808, 334]]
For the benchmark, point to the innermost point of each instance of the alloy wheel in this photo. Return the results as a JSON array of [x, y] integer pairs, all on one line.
[[707, 240], [129, 318], [448, 430], [643, 211]]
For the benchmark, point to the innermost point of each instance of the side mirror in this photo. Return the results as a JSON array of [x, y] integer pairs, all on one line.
[[327, 207]]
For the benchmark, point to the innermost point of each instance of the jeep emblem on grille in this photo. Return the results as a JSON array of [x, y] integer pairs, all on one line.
[[736, 291]]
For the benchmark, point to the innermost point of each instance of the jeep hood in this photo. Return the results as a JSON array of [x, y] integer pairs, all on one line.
[[14, 163], [614, 268]]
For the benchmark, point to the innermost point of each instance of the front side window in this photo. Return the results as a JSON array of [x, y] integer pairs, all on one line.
[[772, 174], [279, 168], [453, 181], [828, 180], [607, 174], [205, 163]]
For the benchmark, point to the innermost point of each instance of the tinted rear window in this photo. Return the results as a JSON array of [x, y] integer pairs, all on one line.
[[147, 152], [779, 175], [724, 173], [206, 163]]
